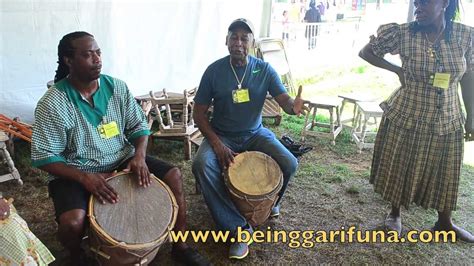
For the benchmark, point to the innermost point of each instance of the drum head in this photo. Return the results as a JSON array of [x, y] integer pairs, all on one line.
[[254, 173], [142, 215]]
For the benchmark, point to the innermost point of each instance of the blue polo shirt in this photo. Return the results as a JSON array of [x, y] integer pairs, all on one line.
[[217, 84]]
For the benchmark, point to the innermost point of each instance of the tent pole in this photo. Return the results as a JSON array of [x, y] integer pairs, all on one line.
[[266, 18], [411, 11]]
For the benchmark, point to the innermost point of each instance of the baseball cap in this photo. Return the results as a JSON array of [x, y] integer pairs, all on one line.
[[241, 23]]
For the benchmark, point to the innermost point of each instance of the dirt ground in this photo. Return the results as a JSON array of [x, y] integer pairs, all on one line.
[[330, 191]]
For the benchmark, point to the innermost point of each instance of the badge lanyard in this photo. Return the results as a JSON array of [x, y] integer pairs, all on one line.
[[439, 79], [239, 82]]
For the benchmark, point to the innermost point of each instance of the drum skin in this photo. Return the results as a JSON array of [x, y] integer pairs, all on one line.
[[254, 180], [131, 231]]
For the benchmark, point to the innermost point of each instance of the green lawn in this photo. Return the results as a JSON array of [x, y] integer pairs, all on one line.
[[330, 190], [364, 79]]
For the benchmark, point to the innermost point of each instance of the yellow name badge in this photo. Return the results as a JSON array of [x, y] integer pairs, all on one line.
[[441, 80], [108, 130], [240, 96]]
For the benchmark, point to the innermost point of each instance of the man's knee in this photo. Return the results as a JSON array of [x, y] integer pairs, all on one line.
[[290, 166], [72, 221], [174, 179], [200, 164]]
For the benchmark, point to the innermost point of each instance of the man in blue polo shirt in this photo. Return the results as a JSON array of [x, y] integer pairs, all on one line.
[[236, 86], [87, 126]]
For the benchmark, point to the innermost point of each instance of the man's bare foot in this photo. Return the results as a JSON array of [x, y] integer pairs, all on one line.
[[393, 223]]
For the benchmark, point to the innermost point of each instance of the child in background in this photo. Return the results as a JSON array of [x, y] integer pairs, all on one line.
[[285, 27]]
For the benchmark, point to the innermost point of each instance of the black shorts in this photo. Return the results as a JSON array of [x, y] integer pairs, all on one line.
[[69, 195]]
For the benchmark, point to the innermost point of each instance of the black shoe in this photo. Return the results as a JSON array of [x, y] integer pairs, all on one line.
[[190, 257], [297, 149]]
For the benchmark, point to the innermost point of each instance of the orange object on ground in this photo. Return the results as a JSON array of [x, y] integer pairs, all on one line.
[[16, 128]]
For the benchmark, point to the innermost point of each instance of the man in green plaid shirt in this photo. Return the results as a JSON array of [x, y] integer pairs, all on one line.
[[87, 126]]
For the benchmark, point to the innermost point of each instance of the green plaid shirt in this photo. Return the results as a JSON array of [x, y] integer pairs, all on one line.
[[419, 105], [66, 126], [18, 245]]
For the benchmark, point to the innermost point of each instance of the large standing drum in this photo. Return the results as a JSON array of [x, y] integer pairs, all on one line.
[[131, 231], [254, 180]]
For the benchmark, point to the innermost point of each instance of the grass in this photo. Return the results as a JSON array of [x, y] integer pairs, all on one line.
[[353, 190], [330, 190], [347, 79]]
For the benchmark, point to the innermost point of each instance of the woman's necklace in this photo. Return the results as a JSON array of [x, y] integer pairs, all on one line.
[[431, 51]]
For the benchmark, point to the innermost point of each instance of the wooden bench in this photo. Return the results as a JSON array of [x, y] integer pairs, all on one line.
[[365, 111], [353, 98], [321, 103]]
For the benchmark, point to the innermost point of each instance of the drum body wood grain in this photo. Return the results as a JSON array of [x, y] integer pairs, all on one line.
[[131, 231], [254, 180]]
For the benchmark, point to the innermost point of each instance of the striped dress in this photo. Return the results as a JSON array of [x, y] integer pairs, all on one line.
[[419, 147]]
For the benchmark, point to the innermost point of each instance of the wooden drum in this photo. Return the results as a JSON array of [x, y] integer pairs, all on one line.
[[131, 231], [254, 180]]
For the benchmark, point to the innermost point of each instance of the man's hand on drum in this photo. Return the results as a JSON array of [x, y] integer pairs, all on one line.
[[96, 183], [137, 165], [224, 155]]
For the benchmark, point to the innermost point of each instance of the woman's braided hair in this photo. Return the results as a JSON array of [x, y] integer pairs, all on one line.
[[65, 49], [451, 13]]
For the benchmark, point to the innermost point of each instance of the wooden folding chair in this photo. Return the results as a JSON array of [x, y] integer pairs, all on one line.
[[173, 114], [5, 158], [273, 51]]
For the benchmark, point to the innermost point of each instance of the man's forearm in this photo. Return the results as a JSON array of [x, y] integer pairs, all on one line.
[[288, 106], [140, 145], [206, 130], [202, 121], [65, 171], [286, 103]]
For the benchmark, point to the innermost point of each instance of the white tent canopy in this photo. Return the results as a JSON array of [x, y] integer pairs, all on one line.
[[148, 44]]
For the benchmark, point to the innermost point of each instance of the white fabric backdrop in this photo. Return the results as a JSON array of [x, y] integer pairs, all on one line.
[[150, 44]]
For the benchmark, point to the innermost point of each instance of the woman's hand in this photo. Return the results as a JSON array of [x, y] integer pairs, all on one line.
[[401, 76], [4, 209], [469, 128]]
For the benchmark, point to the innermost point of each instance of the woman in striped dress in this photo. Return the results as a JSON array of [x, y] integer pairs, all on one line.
[[419, 147]]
